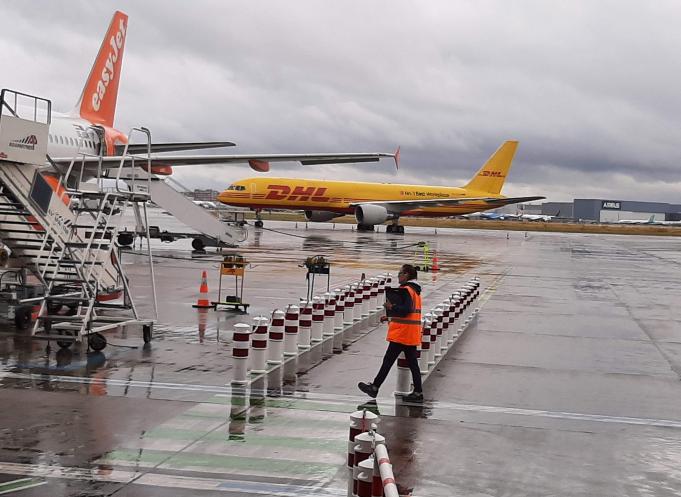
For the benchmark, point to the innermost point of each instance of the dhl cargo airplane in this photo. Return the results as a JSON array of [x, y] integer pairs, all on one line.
[[73, 134], [375, 203]]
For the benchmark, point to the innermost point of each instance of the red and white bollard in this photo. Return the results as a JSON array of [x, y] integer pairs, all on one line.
[[432, 360], [340, 309], [276, 334], [291, 331], [403, 377], [259, 345], [444, 323], [240, 348], [381, 292], [357, 309], [348, 312], [373, 300], [366, 295], [424, 358], [451, 329], [365, 477], [456, 296], [364, 445], [360, 422], [329, 313], [437, 351], [317, 320], [305, 325]]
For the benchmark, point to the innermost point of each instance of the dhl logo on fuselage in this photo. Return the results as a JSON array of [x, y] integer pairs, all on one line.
[[492, 174], [301, 193]]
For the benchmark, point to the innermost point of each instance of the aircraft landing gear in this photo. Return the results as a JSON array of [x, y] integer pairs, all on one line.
[[365, 227], [258, 220], [396, 229]]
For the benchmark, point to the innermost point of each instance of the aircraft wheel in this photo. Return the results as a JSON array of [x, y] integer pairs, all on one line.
[[125, 239], [22, 317], [197, 244], [97, 342], [258, 224], [400, 230]]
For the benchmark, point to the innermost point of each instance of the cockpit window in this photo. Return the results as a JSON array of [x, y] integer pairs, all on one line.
[[239, 188]]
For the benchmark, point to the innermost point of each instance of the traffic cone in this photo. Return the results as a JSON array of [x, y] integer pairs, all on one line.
[[203, 302], [436, 266]]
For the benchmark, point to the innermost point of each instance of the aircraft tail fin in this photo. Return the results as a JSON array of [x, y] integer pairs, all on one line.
[[97, 102], [491, 176]]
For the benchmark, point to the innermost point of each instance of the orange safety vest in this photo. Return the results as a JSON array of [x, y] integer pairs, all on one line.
[[407, 330]]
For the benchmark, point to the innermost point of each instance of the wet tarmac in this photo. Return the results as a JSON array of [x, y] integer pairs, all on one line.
[[568, 383]]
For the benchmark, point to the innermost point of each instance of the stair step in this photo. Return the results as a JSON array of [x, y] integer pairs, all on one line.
[[73, 262], [28, 232], [8, 241], [21, 223], [90, 227], [54, 318], [65, 298], [15, 213], [94, 245], [60, 279]]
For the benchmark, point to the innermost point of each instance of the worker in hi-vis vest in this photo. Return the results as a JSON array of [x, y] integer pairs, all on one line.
[[404, 335]]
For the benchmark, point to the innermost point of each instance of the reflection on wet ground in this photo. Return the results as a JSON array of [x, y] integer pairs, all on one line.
[[572, 370]]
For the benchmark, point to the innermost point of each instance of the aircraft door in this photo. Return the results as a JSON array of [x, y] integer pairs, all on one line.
[[253, 189]]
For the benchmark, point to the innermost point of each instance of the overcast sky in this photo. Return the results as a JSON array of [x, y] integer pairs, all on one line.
[[589, 88]]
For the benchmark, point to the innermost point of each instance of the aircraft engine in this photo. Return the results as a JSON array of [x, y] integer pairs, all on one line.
[[372, 214], [320, 216]]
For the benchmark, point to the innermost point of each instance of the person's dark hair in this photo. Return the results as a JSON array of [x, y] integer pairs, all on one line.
[[409, 270]]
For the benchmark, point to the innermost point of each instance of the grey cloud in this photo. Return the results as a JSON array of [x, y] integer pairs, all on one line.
[[589, 88]]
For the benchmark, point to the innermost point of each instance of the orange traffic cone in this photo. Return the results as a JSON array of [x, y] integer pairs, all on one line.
[[203, 302], [435, 266]]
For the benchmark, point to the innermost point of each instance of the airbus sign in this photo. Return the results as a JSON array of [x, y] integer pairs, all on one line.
[[611, 204]]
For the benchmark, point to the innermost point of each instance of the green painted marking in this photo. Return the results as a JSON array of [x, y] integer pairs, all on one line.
[[21, 484], [300, 404], [274, 419], [184, 460], [251, 438]]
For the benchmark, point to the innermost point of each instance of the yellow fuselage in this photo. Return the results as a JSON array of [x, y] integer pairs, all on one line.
[[337, 196]]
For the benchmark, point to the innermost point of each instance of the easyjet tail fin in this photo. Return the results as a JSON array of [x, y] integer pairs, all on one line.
[[491, 176], [97, 103]]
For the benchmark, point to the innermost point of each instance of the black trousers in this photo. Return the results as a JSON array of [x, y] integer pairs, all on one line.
[[394, 350]]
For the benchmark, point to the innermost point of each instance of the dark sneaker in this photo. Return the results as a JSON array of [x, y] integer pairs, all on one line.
[[368, 388], [413, 398]]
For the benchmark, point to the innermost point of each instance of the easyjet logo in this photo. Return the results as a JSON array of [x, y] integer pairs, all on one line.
[[302, 193], [116, 43], [493, 174]]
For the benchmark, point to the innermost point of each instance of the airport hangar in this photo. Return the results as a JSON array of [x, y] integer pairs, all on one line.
[[606, 210]]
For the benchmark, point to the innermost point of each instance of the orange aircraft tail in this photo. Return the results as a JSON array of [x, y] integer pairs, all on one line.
[[97, 103]]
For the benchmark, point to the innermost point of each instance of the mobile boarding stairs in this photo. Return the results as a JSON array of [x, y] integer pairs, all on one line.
[[62, 225]]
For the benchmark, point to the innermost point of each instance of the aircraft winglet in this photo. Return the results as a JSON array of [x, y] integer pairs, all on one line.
[[397, 158]]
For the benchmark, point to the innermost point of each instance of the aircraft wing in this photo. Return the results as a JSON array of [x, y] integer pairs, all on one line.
[[406, 205], [141, 148], [260, 163]]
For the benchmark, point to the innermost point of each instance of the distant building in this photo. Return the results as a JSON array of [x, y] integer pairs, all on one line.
[[202, 195], [612, 211], [558, 209]]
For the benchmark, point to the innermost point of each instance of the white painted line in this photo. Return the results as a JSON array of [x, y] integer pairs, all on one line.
[[18, 485], [166, 481]]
